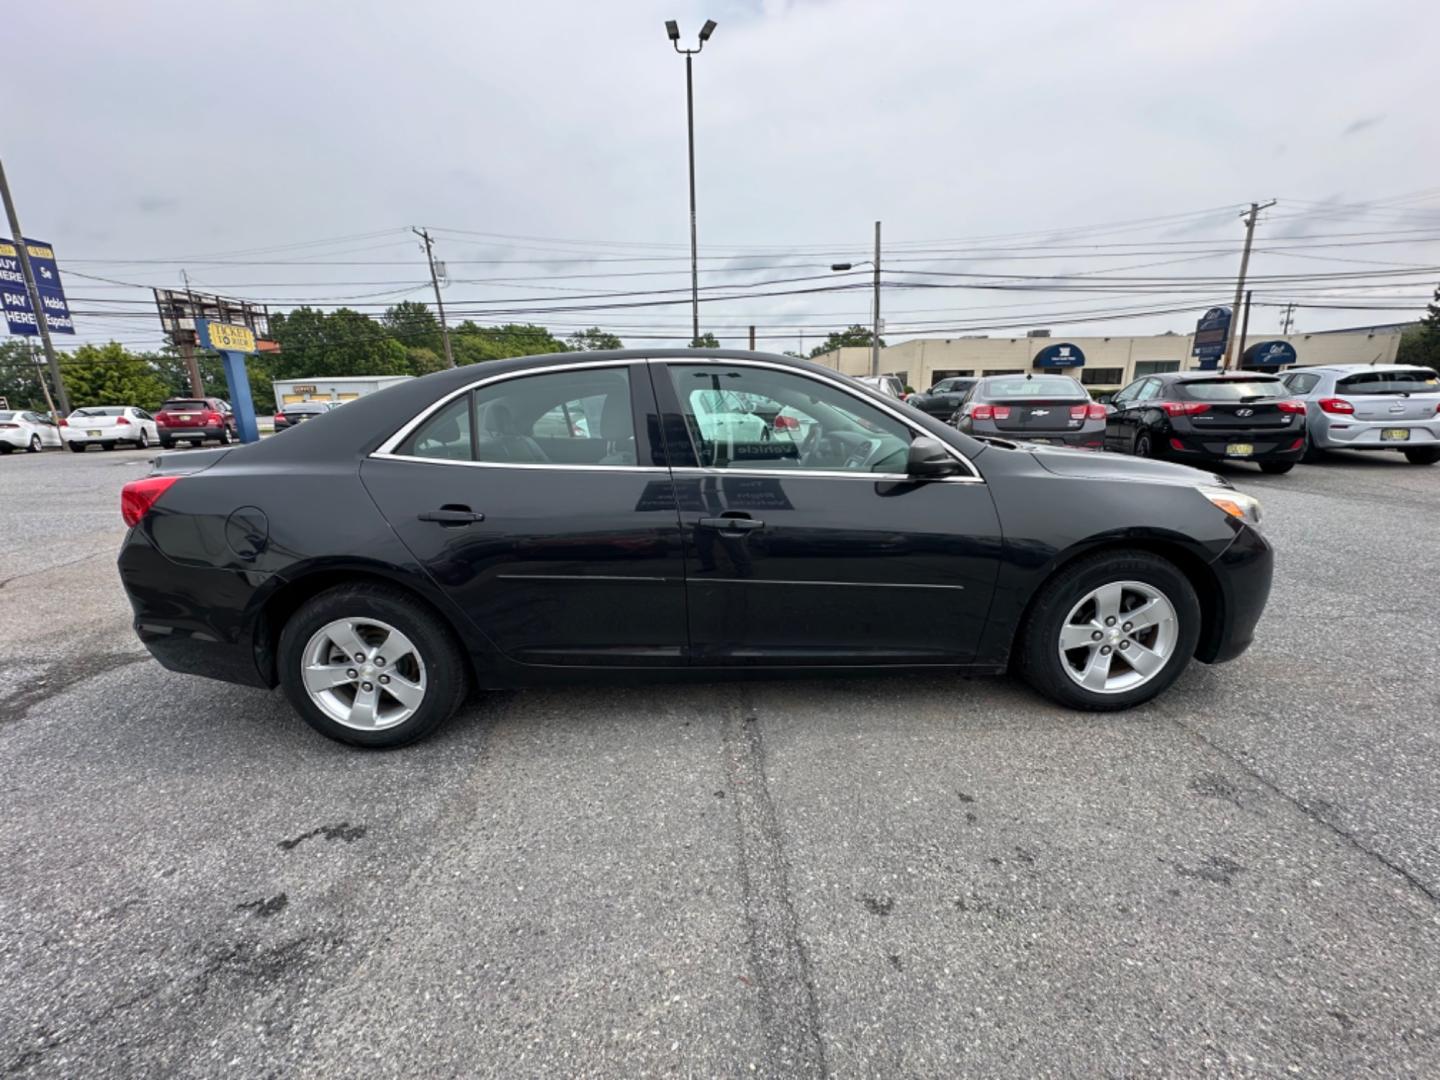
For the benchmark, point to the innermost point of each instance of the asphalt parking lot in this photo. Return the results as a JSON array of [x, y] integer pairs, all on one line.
[[910, 875]]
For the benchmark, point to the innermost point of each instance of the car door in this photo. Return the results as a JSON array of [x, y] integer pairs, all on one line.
[[1118, 418], [808, 544], [46, 428], [573, 562]]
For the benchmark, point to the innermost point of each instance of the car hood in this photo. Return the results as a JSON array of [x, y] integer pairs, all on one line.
[[1064, 461]]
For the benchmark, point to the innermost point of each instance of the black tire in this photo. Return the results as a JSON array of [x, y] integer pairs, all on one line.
[[166, 444], [1037, 657], [1276, 468], [1144, 445], [224, 436], [143, 442], [34, 447], [1313, 454], [446, 665], [6, 449], [108, 445], [77, 447], [1425, 455]]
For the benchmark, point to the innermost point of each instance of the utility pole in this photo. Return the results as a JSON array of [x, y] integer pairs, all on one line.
[[44, 386], [752, 339], [40, 321], [1245, 324], [1250, 216], [875, 334], [186, 345], [1289, 318], [672, 30], [439, 304]]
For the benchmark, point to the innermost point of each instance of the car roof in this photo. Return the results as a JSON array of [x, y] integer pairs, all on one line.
[[1190, 376], [1351, 369]]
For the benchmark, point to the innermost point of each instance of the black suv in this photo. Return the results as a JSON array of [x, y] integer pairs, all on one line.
[[1203, 416]]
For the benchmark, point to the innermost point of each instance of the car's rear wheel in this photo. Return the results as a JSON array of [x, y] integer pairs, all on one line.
[[1144, 445], [370, 666], [166, 444], [1110, 631], [1276, 468], [1312, 452], [76, 447], [109, 444], [1425, 455], [224, 436]]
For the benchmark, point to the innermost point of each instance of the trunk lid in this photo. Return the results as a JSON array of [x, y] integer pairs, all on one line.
[[1038, 415]]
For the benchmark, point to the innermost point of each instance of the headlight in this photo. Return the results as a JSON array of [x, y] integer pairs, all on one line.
[[1244, 507]]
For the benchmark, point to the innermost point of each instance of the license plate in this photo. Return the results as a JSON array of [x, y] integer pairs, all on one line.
[[1047, 442], [1395, 434], [93, 434], [1239, 449], [184, 416]]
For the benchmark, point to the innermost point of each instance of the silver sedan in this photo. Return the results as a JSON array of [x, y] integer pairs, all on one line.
[[1370, 407]]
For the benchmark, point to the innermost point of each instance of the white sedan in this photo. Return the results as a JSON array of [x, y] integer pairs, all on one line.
[[22, 430], [109, 425]]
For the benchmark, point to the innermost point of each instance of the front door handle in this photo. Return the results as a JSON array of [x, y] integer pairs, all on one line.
[[731, 524], [452, 516]]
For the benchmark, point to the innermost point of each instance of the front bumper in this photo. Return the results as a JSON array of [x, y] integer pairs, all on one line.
[[1244, 572], [1369, 434]]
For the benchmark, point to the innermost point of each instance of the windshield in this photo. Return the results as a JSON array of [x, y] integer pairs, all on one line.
[[1409, 381], [1229, 389], [951, 386], [107, 410], [1038, 386]]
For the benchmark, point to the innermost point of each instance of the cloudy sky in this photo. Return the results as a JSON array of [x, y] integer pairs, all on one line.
[[1080, 166]]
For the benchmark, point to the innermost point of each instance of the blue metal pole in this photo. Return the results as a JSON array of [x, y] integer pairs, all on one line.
[[240, 401]]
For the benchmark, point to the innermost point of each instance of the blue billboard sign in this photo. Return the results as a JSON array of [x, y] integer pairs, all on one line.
[[1269, 354], [1060, 355], [15, 298], [1211, 334]]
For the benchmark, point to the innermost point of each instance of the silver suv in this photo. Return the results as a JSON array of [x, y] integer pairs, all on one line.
[[1370, 407]]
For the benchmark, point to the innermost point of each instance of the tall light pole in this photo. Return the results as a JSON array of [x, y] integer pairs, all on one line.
[[875, 310], [673, 29]]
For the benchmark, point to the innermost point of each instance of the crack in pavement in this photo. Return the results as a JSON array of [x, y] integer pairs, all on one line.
[[57, 566], [789, 1011], [1312, 812], [61, 677]]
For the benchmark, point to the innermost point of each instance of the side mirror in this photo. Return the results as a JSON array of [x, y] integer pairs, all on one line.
[[928, 459]]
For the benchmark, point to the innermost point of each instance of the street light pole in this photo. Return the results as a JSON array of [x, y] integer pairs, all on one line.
[[875, 333], [672, 28]]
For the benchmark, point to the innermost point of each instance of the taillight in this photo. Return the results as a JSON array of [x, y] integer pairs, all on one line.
[[1292, 406], [1337, 405], [138, 496], [786, 423], [64, 422], [991, 412], [9, 425], [1185, 408], [1092, 411], [122, 420], [212, 418]]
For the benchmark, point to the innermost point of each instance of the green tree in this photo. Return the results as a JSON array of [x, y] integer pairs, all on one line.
[[423, 361], [19, 378], [706, 340], [594, 339], [314, 344], [474, 343], [855, 336], [108, 375], [1420, 344], [414, 326]]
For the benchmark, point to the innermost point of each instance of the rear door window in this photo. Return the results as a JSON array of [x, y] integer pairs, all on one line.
[[1410, 381], [445, 436]]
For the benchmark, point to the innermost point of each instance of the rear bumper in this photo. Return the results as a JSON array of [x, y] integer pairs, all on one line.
[[1244, 571], [1286, 446], [1368, 434], [17, 438], [1091, 436], [194, 620], [108, 435], [208, 431]]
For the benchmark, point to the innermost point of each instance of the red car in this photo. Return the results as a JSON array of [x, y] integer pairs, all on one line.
[[195, 420]]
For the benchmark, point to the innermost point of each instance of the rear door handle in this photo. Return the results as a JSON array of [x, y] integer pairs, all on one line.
[[452, 516], [731, 524]]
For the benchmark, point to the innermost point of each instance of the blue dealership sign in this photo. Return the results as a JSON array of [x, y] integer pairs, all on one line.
[[1060, 355], [1211, 334], [1269, 354], [15, 298]]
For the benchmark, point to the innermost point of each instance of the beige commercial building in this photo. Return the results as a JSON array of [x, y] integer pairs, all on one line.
[[344, 388], [1108, 362]]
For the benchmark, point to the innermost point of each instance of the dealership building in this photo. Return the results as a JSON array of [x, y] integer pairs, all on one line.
[[1105, 364]]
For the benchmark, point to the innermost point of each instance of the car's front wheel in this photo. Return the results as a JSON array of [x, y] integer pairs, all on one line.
[[1110, 631], [1425, 455], [34, 447], [370, 666]]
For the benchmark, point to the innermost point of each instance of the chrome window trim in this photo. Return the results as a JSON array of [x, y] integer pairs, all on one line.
[[884, 407], [386, 450]]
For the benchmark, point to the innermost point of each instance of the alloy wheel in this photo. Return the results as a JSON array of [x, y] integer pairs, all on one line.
[[363, 673], [1118, 637]]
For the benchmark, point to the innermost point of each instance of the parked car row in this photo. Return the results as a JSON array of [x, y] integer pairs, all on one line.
[[1201, 417], [179, 420]]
